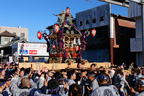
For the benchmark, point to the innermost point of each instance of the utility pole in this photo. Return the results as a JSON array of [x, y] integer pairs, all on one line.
[[142, 16]]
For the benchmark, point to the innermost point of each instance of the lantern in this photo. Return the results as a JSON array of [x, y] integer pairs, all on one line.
[[54, 46], [68, 11], [77, 48], [93, 32], [39, 35], [54, 55], [56, 28]]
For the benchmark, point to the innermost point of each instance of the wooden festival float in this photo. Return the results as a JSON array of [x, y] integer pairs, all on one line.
[[65, 43]]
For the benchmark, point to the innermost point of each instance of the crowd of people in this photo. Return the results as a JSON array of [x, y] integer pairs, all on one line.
[[113, 81]]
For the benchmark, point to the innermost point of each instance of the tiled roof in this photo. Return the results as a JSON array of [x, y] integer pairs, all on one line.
[[6, 33], [18, 39]]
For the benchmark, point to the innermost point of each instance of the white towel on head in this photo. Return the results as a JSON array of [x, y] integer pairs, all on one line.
[[112, 72]]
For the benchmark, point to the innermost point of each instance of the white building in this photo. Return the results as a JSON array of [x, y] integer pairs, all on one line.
[[20, 48], [20, 32]]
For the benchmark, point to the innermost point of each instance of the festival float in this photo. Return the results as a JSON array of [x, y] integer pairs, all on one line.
[[65, 42]]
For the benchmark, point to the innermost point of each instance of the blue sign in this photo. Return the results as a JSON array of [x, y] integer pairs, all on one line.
[[23, 52]]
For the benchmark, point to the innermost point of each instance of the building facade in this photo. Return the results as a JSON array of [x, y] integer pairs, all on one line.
[[5, 37], [20, 32], [136, 43], [22, 50], [113, 33]]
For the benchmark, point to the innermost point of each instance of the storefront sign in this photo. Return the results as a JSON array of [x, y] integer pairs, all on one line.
[[32, 49]]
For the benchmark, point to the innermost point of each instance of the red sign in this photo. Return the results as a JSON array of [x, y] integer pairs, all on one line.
[[33, 52]]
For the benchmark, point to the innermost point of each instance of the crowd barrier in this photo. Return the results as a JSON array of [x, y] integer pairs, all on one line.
[[58, 66]]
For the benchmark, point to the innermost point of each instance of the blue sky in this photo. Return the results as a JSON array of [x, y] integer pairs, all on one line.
[[37, 14]]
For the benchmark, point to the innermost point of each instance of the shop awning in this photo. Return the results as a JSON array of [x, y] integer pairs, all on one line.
[[126, 23]]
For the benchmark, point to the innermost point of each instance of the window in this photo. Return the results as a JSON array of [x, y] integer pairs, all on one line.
[[6, 40], [22, 34], [102, 18], [87, 22], [94, 20], [81, 23], [14, 33], [41, 59]]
